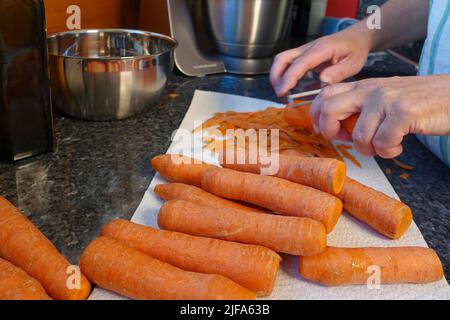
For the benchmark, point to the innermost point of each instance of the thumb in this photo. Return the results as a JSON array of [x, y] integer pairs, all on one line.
[[340, 71]]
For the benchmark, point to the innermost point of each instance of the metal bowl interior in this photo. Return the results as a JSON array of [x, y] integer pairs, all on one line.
[[108, 74], [109, 44]]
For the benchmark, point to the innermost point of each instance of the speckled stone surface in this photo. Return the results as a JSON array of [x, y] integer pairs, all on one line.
[[100, 171]]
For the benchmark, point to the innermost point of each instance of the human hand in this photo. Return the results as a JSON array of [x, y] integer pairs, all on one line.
[[390, 108], [336, 57]]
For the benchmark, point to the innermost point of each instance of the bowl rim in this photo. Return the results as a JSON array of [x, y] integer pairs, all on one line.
[[118, 30]]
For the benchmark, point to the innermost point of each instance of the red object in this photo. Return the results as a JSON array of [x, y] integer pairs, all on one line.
[[342, 8]]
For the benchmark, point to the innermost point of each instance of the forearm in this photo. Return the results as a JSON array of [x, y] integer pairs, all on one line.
[[401, 22]]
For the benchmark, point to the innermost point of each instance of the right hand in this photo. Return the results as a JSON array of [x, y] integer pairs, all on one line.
[[336, 57]]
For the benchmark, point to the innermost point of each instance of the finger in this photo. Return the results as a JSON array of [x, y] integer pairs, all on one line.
[[282, 62], [388, 138], [310, 59], [327, 93], [340, 71], [365, 129], [338, 108]]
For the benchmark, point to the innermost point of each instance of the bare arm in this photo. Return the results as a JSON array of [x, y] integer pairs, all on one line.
[[343, 54], [401, 22]]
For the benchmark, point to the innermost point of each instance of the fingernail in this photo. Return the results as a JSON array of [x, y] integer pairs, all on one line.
[[279, 90]]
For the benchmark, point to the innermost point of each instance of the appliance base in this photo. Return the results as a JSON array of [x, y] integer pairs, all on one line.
[[247, 66]]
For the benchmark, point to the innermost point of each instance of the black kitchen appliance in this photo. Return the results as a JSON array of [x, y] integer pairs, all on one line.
[[25, 106]]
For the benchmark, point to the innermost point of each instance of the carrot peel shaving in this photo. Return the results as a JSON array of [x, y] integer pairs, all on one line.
[[400, 164], [291, 139]]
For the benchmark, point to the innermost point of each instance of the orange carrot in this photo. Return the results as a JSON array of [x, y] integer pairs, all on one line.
[[343, 149], [292, 235], [115, 266], [405, 176], [16, 284], [296, 152], [303, 141], [279, 195], [253, 267], [402, 165], [386, 215], [180, 191], [321, 173], [24, 245], [349, 124], [177, 168], [350, 266], [300, 117]]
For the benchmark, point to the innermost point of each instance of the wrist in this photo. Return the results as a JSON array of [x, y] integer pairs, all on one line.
[[364, 36]]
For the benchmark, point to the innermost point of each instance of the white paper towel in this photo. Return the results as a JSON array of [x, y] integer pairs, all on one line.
[[348, 232]]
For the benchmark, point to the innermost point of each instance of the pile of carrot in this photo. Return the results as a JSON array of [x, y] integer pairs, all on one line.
[[223, 227], [283, 194], [279, 195], [115, 266], [143, 263], [35, 263], [296, 134], [289, 211], [292, 199], [253, 267]]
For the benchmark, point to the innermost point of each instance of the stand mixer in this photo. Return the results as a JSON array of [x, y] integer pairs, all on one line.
[[236, 36]]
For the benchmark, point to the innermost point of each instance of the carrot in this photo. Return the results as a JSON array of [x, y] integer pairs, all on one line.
[[400, 164], [24, 245], [296, 152], [262, 122], [16, 284], [349, 124], [115, 266], [343, 149], [292, 235], [321, 173], [350, 266], [300, 117], [279, 195], [180, 191], [177, 168], [388, 216], [253, 267], [405, 176]]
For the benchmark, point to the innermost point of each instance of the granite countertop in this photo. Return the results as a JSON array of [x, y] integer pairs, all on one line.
[[100, 171]]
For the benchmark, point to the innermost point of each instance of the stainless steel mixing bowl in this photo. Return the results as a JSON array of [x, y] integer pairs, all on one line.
[[249, 29], [108, 74]]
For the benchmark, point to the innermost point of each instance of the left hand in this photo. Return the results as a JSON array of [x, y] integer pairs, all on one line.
[[390, 108]]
